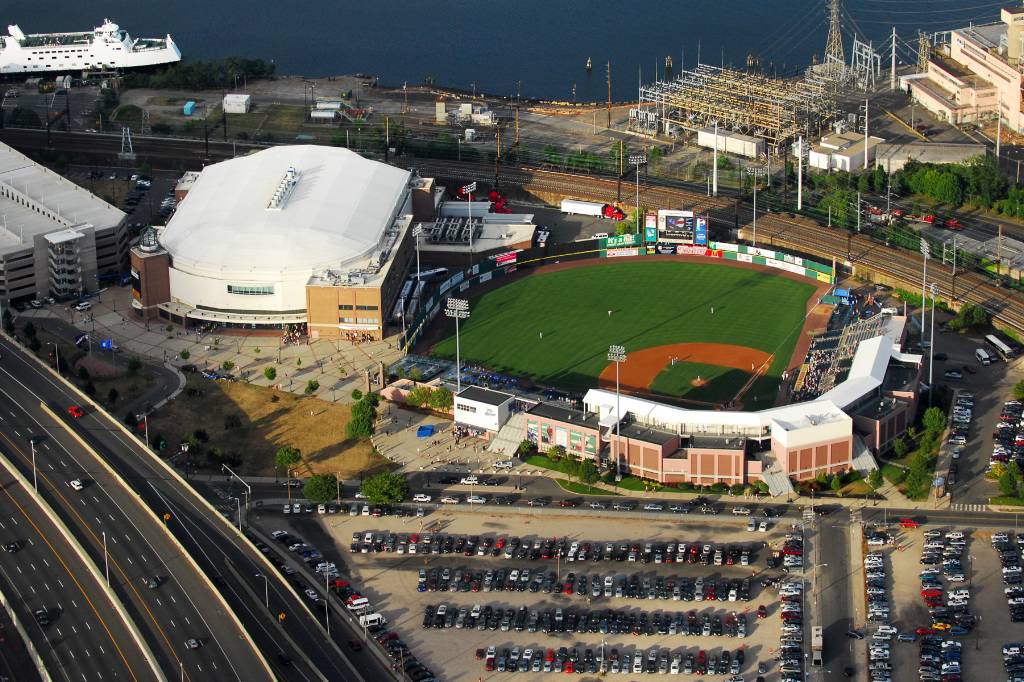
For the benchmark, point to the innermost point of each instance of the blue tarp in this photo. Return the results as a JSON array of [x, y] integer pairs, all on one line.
[[425, 431], [842, 293]]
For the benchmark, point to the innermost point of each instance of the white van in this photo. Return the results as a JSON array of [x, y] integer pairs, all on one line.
[[890, 311], [372, 619], [358, 604], [982, 356]]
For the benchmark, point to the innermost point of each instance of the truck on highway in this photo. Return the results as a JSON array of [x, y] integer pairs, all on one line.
[[817, 644]]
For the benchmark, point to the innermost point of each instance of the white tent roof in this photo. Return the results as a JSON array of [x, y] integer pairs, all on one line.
[[337, 212]]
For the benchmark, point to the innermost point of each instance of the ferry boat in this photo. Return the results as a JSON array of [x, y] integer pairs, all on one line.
[[105, 48]]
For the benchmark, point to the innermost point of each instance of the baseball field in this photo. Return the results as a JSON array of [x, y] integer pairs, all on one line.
[[705, 333]]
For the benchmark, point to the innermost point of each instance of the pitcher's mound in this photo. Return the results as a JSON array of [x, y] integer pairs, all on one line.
[[697, 383]]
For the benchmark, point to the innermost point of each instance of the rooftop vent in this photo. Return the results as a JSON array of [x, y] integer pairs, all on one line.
[[284, 189], [148, 243]]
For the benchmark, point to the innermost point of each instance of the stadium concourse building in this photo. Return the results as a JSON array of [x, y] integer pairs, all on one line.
[[838, 431], [287, 236]]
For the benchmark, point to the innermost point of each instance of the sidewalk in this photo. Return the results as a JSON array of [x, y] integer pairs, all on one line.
[[337, 366]]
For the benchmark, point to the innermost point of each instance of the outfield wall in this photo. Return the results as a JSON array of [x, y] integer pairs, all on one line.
[[618, 246]]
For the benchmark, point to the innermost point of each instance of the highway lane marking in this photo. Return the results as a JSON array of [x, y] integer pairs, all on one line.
[[187, 620], [89, 628], [51, 466], [46, 638], [110, 516], [96, 499], [62, 463], [171, 621], [47, 446], [74, 629], [74, 604], [62, 587], [127, 538], [17, 433], [97, 520], [67, 569], [172, 598], [46, 562], [130, 560], [96, 538], [2, 525]]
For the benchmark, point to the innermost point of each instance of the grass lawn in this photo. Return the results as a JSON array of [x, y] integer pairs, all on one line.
[[676, 380], [856, 488], [283, 117], [581, 488], [266, 425], [639, 484], [653, 304]]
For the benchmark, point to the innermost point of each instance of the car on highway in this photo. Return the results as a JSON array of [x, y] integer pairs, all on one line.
[[76, 412], [421, 497], [151, 581], [954, 374], [193, 643], [469, 480], [13, 546], [42, 617], [741, 511], [75, 484], [653, 506], [292, 483]]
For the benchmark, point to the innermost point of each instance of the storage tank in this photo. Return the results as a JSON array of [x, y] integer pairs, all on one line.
[[322, 116], [577, 207]]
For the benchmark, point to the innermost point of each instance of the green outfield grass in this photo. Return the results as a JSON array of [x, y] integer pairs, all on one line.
[[555, 327], [723, 382]]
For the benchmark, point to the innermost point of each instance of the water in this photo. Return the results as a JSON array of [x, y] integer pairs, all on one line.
[[542, 44]]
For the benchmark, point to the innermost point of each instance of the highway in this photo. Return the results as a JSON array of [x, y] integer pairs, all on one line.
[[182, 607], [85, 639]]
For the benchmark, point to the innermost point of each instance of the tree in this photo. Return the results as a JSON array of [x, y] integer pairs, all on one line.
[[385, 488], [1018, 390], [587, 472], [134, 365], [556, 452], [359, 428], [184, 355], [934, 419], [83, 373], [525, 448], [227, 365], [418, 396], [232, 421], [8, 321], [90, 389], [30, 330], [112, 396], [270, 373], [312, 386], [441, 399], [900, 447], [875, 478], [837, 483], [287, 457], [1008, 484], [996, 471], [357, 395], [320, 487]]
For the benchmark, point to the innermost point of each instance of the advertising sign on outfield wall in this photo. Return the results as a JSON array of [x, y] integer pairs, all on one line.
[[723, 246], [782, 265], [628, 239], [675, 226], [506, 258], [619, 253], [486, 277], [650, 234], [745, 257], [700, 231]]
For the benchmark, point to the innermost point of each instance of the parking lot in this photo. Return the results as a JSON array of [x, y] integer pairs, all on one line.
[[981, 658], [390, 581]]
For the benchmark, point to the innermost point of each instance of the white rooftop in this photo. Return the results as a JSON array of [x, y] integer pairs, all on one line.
[[336, 212], [34, 201]]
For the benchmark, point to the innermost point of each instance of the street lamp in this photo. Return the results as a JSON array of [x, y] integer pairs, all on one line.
[[266, 589], [457, 308], [248, 488], [755, 172], [56, 350], [617, 354], [239, 518], [637, 160], [35, 478]]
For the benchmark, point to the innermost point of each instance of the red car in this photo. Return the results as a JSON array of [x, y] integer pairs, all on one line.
[[762, 612], [76, 412], [925, 631], [954, 224], [909, 523], [931, 592]]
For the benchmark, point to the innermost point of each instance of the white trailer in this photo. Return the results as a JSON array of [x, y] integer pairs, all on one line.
[[577, 207]]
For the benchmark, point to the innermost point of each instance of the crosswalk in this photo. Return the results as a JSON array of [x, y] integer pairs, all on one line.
[[969, 507]]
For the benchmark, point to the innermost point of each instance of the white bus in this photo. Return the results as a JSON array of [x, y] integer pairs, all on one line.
[[1004, 351]]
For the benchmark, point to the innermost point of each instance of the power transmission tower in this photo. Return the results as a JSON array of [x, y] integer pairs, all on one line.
[[609, 94], [923, 50], [127, 152], [835, 58]]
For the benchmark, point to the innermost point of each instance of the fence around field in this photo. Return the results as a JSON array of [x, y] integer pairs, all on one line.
[[619, 246]]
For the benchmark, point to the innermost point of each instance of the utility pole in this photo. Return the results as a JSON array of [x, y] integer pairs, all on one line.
[[609, 106], [618, 188], [925, 251], [892, 62], [999, 135]]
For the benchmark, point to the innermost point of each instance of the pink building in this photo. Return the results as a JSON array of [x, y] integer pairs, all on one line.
[[834, 433]]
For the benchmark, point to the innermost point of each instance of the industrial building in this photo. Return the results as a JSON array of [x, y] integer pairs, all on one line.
[[976, 76], [293, 235], [893, 157], [235, 103], [56, 238], [835, 432], [843, 152]]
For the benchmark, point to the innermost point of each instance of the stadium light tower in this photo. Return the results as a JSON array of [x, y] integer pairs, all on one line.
[[457, 308], [637, 160], [617, 354], [931, 344], [926, 250], [417, 232], [468, 191]]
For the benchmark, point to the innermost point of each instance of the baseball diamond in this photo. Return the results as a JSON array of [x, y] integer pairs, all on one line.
[[555, 327]]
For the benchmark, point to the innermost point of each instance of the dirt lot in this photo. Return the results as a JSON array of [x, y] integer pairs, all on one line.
[[389, 581], [269, 419], [982, 659]]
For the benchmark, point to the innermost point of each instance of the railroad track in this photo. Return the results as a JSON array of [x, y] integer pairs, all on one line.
[[851, 250]]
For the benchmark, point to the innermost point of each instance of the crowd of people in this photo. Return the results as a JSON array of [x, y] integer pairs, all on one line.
[[359, 337], [294, 333]]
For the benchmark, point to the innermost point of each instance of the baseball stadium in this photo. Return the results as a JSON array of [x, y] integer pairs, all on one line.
[[741, 364]]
